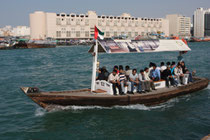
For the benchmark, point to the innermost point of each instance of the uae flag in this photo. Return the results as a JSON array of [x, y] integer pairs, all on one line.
[[98, 33]]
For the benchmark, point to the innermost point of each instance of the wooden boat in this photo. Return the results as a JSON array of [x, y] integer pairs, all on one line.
[[36, 45], [40, 44], [85, 97], [101, 92], [207, 39]]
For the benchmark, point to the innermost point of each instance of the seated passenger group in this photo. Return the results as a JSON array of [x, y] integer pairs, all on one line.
[[144, 81]]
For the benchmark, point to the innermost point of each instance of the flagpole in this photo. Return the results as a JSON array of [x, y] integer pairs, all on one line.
[[95, 56]]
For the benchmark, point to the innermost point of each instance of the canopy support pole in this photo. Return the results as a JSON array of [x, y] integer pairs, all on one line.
[[95, 56]]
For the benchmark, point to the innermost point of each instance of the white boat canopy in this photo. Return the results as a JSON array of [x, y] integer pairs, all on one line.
[[139, 46]]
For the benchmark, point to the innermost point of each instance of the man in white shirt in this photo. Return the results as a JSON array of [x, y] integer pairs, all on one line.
[[114, 79], [146, 75], [179, 74], [133, 80], [128, 71], [162, 67]]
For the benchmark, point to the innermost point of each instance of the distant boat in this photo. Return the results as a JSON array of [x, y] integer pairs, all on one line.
[[205, 39], [40, 44]]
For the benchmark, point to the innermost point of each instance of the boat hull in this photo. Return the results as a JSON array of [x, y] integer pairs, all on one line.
[[85, 98], [34, 45]]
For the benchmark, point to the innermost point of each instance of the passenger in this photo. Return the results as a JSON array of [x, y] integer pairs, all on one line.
[[162, 67], [150, 68], [184, 69], [133, 80], [179, 73], [167, 76], [155, 73], [116, 68], [128, 71], [168, 64], [173, 64], [145, 85], [101, 75], [114, 79], [173, 75], [105, 72], [122, 80], [146, 74]]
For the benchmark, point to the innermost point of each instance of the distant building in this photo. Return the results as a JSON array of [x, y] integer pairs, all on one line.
[[6, 31], [207, 24], [67, 26], [199, 21], [179, 25], [21, 31]]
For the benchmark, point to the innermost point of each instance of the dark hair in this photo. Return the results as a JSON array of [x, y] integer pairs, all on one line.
[[134, 70], [115, 67], [168, 63], [141, 71], [145, 68], [173, 63], [154, 65], [151, 64], [162, 64], [127, 67], [120, 67], [115, 71]]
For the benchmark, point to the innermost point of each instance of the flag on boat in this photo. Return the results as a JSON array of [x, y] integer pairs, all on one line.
[[99, 34]]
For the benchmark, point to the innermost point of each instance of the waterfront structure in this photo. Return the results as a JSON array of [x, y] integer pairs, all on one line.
[[179, 25], [199, 21], [6, 31], [68, 26], [207, 24], [21, 31]]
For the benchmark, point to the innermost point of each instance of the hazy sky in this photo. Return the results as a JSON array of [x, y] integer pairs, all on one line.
[[16, 12]]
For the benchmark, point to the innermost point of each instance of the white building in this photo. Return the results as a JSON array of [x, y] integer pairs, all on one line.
[[66, 26], [179, 25], [21, 31], [198, 22]]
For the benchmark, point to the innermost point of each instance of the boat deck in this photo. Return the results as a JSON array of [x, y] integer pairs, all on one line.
[[87, 92]]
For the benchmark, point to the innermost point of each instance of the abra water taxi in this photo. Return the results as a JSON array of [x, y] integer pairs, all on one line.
[[101, 92]]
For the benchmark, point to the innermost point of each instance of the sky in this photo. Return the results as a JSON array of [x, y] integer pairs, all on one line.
[[16, 12]]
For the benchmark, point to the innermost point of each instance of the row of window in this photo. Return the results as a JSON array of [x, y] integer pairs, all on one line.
[[69, 33], [87, 33], [108, 17]]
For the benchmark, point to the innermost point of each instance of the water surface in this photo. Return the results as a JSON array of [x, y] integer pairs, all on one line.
[[67, 68]]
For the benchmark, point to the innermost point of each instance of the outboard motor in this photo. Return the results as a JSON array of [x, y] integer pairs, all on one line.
[[33, 90]]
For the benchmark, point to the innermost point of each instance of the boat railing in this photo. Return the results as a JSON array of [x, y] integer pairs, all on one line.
[[104, 85]]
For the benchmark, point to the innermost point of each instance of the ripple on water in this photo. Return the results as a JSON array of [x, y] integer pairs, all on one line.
[[67, 68]]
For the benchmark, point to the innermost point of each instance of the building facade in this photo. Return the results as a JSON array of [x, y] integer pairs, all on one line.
[[68, 26], [207, 24], [199, 21], [179, 25], [21, 31]]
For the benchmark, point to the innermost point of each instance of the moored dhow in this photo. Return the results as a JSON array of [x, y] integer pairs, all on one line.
[[101, 91]]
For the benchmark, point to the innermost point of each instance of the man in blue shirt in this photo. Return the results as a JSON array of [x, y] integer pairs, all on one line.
[[155, 73]]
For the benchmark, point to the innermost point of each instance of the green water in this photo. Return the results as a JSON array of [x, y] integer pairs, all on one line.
[[67, 68]]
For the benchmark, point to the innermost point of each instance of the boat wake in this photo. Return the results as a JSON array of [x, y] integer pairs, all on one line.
[[39, 112], [162, 106], [208, 87]]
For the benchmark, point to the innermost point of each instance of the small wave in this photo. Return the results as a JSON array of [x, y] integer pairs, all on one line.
[[163, 106], [208, 87], [39, 112]]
